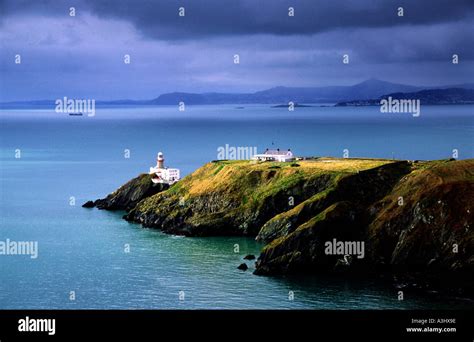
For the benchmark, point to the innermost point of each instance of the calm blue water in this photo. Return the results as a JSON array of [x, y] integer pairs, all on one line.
[[82, 250]]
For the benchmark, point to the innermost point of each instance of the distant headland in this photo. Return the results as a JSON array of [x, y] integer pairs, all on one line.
[[356, 94], [408, 220]]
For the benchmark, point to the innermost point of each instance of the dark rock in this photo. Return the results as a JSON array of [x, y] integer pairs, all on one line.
[[130, 194], [343, 264], [89, 204], [303, 250], [363, 188], [243, 267], [249, 257], [427, 237]]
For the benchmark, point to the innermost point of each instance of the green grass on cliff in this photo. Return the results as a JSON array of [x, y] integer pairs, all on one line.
[[435, 214], [244, 174], [306, 225], [250, 182], [426, 178], [249, 198], [320, 196], [241, 189]]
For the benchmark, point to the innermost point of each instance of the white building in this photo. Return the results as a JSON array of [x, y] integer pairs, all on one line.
[[163, 174], [275, 155]]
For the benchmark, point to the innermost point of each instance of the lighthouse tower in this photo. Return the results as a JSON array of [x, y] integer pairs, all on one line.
[[162, 174], [160, 161]]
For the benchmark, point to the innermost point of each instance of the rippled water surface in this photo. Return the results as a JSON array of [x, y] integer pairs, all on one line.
[[82, 250]]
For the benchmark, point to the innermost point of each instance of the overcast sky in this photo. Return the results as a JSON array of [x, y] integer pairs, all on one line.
[[82, 56]]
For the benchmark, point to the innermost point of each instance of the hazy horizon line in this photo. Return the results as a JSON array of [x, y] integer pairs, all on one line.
[[249, 93]]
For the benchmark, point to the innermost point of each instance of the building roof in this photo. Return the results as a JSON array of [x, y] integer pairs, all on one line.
[[276, 152]]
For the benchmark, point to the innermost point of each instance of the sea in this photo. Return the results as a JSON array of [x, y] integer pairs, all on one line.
[[51, 163]]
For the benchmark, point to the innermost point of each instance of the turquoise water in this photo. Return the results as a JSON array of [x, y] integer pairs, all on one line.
[[82, 250]]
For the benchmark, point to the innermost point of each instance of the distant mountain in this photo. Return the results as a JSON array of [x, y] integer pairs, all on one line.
[[370, 89], [427, 96], [367, 90], [201, 99]]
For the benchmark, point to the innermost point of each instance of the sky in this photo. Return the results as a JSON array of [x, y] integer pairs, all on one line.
[[83, 56]]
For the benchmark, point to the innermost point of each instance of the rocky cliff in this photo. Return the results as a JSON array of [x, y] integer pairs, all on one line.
[[412, 217], [128, 195], [418, 227], [239, 197]]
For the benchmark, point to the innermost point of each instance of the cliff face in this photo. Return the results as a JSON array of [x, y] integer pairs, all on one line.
[[239, 197], [128, 195], [410, 217], [433, 228], [360, 188], [420, 224]]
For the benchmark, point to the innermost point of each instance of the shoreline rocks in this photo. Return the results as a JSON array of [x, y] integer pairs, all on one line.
[[128, 195], [415, 219], [243, 267]]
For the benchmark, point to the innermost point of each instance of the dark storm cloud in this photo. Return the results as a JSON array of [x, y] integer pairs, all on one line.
[[83, 56], [204, 18]]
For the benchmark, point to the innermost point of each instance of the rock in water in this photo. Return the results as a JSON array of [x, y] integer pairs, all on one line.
[[89, 204], [249, 257], [243, 267]]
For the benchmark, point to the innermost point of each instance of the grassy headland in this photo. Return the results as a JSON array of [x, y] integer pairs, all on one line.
[[413, 217]]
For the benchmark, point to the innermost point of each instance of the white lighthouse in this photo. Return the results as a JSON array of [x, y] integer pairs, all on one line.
[[163, 174], [160, 161]]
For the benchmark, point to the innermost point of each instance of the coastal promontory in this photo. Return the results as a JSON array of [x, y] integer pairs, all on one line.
[[412, 218]]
